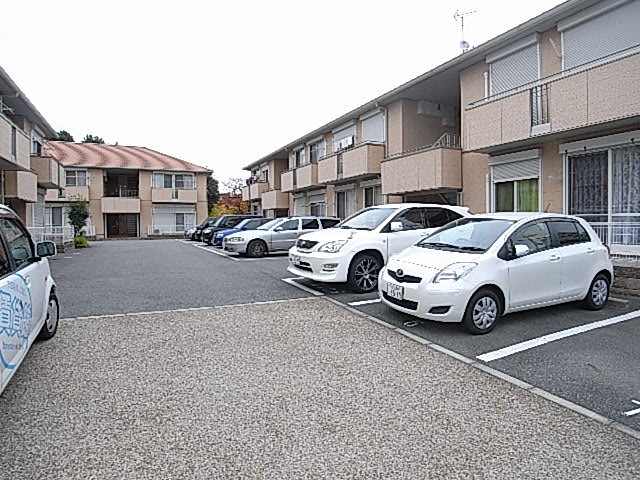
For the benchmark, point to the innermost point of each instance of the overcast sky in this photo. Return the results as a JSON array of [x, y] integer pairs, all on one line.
[[222, 84]]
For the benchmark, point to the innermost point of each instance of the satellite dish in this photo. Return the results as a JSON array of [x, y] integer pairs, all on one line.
[[464, 45]]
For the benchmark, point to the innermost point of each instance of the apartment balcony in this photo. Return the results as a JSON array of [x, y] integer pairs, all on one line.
[[171, 195], [288, 181], [605, 93], [120, 205], [432, 168], [273, 199], [50, 173], [245, 193], [361, 161], [15, 148], [67, 193], [21, 185], [254, 191]]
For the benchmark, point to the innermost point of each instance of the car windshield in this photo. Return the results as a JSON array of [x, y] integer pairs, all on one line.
[[242, 224], [208, 222], [368, 219], [271, 224], [467, 235]]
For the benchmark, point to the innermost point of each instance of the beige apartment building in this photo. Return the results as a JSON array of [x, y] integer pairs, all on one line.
[[545, 117], [132, 191], [26, 171]]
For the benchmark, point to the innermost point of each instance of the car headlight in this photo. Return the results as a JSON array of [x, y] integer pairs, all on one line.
[[206, 230], [235, 239], [332, 247], [454, 272]]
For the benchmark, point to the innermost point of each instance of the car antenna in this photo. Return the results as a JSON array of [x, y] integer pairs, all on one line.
[[546, 209]]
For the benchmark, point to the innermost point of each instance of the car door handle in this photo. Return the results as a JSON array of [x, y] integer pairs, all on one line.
[[554, 258]]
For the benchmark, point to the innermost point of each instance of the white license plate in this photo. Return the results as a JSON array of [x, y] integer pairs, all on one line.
[[395, 291], [295, 259]]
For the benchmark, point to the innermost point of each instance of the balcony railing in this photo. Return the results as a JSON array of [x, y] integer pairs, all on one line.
[[57, 235], [539, 105], [622, 237], [168, 229], [123, 192]]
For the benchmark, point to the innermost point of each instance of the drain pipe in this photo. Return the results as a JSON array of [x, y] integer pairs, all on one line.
[[2, 186]]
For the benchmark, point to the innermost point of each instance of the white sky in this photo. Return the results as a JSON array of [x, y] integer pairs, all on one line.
[[222, 84]]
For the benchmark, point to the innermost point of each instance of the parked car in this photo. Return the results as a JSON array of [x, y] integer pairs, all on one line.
[[196, 233], [355, 251], [247, 224], [29, 307], [223, 223], [277, 235], [479, 268]]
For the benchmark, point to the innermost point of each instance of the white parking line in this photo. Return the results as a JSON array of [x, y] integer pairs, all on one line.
[[364, 302], [292, 281], [633, 412], [217, 253], [552, 337]]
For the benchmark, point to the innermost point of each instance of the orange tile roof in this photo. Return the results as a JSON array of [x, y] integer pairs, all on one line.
[[95, 155]]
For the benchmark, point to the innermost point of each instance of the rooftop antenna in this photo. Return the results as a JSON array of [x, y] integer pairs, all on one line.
[[464, 45]]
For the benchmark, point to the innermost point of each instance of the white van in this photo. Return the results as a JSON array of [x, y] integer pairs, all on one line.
[[28, 303]]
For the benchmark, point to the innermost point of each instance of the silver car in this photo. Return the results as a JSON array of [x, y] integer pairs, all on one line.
[[280, 234]]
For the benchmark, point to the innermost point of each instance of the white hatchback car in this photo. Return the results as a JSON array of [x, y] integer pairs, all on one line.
[[356, 249], [478, 268], [28, 303]]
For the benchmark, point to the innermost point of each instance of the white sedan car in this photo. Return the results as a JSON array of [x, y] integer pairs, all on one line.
[[356, 249], [481, 267], [28, 302]]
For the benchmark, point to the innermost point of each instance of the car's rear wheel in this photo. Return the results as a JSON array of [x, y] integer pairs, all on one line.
[[482, 313], [363, 272], [256, 249], [50, 326], [598, 293]]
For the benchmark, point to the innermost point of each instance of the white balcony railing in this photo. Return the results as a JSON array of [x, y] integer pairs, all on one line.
[[57, 235], [168, 229]]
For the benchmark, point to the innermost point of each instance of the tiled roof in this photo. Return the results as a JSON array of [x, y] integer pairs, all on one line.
[[95, 155]]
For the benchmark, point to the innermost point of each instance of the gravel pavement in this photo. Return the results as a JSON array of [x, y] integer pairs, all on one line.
[[299, 389]]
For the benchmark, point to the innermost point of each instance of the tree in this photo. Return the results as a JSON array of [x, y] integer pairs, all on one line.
[[229, 205], [212, 192], [63, 136], [88, 138], [234, 186], [78, 214]]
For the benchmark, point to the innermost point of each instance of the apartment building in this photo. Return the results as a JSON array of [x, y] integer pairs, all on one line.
[[26, 171], [263, 190], [545, 117], [132, 191]]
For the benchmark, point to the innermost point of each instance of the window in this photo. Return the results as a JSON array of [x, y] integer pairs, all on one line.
[[316, 151], [36, 148], [18, 241], [437, 217], [509, 69], [179, 181], [567, 233], [265, 176], [179, 222], [345, 205], [317, 209], [76, 178], [289, 225], [536, 236], [411, 219], [298, 157], [14, 133], [372, 196], [310, 224], [329, 222], [4, 262], [373, 128], [56, 216], [517, 196]]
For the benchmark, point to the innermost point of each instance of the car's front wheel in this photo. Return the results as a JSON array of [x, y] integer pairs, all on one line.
[[50, 326], [363, 273], [598, 293], [256, 249], [482, 313]]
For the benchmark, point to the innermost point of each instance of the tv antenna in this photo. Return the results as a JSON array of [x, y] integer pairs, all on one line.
[[464, 45]]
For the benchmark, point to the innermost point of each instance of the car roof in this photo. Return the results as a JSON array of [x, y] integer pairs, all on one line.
[[519, 216], [421, 205], [6, 210]]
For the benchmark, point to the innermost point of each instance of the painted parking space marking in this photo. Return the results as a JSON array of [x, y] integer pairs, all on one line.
[[365, 302], [221, 254], [552, 337], [293, 282], [633, 412]]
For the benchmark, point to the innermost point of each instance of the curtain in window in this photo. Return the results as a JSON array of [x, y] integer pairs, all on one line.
[[158, 180], [588, 185], [625, 194], [528, 195], [504, 197]]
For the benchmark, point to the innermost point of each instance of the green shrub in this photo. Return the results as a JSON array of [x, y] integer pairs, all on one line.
[[80, 241]]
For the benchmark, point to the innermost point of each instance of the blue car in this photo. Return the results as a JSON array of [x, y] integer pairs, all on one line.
[[248, 224]]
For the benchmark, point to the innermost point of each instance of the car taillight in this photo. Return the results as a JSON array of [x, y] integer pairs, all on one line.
[[608, 249]]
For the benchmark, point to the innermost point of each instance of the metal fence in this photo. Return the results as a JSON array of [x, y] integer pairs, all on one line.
[[57, 235], [168, 229], [540, 105]]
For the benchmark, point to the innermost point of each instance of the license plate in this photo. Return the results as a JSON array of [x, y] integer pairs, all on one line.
[[295, 259], [395, 291]]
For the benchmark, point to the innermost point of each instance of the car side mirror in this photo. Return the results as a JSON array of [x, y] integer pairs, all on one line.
[[278, 229], [521, 250], [396, 226], [46, 249]]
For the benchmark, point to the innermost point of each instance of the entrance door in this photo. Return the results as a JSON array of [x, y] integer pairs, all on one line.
[[121, 225]]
